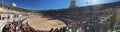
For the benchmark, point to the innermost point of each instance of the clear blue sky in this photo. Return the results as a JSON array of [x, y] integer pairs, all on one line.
[[54, 4]]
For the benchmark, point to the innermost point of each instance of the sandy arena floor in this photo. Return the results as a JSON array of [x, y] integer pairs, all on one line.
[[45, 24]]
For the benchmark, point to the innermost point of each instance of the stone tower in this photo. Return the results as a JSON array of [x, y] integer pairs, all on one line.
[[13, 4], [73, 4]]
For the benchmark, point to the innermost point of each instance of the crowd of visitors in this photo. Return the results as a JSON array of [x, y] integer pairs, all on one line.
[[62, 29], [4, 17], [17, 27]]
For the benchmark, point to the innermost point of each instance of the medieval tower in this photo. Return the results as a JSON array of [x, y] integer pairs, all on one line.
[[73, 4]]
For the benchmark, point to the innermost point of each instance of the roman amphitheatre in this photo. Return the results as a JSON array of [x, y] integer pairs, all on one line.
[[65, 17]]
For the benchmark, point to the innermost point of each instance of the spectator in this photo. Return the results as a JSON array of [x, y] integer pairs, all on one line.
[[6, 28], [56, 30], [51, 30]]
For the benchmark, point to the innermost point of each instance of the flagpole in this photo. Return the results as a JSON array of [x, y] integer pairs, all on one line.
[[2, 3]]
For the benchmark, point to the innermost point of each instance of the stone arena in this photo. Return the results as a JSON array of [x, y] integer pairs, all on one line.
[[45, 24]]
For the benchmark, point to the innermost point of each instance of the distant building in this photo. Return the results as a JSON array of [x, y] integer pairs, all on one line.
[[13, 4], [73, 4]]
